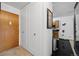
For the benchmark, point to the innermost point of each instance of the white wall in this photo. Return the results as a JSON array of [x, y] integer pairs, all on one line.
[[47, 33], [23, 28], [69, 27], [38, 37]]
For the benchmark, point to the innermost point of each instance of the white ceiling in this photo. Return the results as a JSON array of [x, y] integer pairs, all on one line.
[[63, 8], [18, 5], [60, 8]]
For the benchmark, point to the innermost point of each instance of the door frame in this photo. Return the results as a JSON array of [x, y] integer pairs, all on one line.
[[76, 4]]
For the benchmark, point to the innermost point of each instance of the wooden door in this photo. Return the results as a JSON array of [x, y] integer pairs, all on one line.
[[9, 30]]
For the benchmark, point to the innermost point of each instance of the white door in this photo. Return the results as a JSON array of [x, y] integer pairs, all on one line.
[[35, 28]]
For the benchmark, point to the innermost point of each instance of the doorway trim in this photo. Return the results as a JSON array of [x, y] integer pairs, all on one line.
[[76, 4]]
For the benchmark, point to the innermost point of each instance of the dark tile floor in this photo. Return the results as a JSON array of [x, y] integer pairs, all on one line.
[[77, 47], [64, 48]]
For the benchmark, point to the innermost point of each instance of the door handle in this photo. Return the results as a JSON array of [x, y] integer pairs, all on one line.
[[34, 34]]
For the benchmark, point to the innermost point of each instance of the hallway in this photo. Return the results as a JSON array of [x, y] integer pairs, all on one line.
[[44, 29]]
